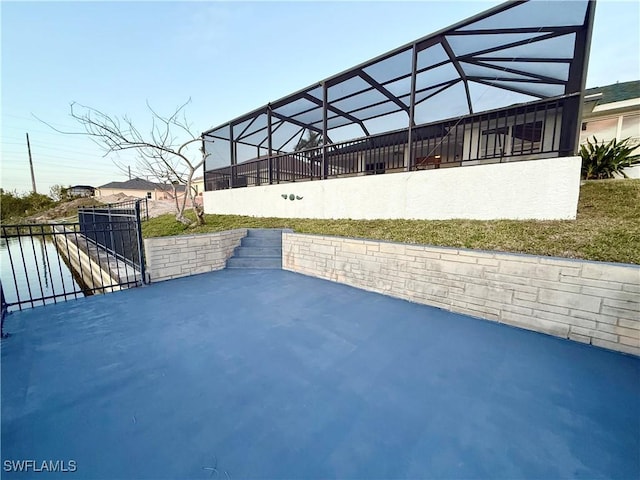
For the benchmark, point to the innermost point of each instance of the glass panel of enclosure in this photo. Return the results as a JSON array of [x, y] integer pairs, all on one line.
[[218, 153], [391, 68], [534, 14], [466, 44]]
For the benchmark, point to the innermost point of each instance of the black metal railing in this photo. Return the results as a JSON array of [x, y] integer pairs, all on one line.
[[4, 309], [128, 206], [522, 132], [287, 167], [115, 227], [47, 263]]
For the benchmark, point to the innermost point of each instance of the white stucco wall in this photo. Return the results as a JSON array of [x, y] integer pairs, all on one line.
[[536, 189], [630, 172]]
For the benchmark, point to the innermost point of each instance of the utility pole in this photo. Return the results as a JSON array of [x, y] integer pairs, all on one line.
[[129, 172], [33, 177]]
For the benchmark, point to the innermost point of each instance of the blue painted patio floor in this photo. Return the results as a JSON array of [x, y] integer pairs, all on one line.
[[271, 374]]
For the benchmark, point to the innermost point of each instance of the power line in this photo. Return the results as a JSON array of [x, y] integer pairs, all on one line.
[[50, 170], [46, 155], [47, 142], [47, 147], [33, 119], [66, 171]]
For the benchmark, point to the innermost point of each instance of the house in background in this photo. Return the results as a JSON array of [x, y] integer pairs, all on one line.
[[197, 185], [80, 191], [139, 188], [613, 111]]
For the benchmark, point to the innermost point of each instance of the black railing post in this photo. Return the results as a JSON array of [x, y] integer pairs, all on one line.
[[3, 312], [325, 103], [143, 273], [574, 88], [112, 243], [412, 109], [269, 145]]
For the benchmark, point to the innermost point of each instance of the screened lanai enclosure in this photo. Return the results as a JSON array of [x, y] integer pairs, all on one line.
[[505, 85]]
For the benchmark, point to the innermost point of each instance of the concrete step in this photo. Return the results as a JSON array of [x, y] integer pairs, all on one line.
[[261, 248], [264, 233], [267, 242], [258, 251], [255, 262]]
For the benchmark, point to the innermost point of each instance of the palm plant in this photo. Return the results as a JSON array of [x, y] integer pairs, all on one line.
[[602, 160], [314, 139]]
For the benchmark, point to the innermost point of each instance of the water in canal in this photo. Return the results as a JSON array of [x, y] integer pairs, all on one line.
[[30, 267]]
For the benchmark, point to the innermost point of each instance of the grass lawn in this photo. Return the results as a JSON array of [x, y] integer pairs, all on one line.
[[607, 228]]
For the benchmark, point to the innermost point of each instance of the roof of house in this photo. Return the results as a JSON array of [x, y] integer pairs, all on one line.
[[140, 184], [616, 92], [88, 187]]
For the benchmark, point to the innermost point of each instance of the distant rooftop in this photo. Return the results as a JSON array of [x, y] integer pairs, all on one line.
[[140, 184], [616, 92]]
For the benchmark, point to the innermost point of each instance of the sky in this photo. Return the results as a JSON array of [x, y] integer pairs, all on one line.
[[227, 57]]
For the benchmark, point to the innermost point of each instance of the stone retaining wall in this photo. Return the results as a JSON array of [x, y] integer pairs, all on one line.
[[183, 255], [589, 302]]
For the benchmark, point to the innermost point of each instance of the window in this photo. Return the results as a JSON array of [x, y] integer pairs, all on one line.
[[527, 138], [374, 168], [149, 195], [630, 128], [494, 142], [603, 129], [517, 139]]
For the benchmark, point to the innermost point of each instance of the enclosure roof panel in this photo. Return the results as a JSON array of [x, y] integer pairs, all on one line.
[[526, 47]]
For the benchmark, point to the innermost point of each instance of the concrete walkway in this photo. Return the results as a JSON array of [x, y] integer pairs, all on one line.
[[271, 374]]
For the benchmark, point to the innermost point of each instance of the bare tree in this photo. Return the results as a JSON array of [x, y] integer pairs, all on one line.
[[161, 154]]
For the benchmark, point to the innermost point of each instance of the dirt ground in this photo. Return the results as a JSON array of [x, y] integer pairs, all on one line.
[[156, 207], [69, 209], [160, 207]]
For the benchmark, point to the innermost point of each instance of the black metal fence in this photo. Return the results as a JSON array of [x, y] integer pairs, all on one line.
[[48, 263], [115, 227], [4, 309], [522, 132], [127, 207]]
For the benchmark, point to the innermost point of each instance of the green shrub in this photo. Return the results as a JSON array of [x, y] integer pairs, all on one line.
[[602, 160], [15, 206]]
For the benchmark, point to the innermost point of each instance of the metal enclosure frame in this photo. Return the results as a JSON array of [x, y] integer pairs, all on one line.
[[520, 52]]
